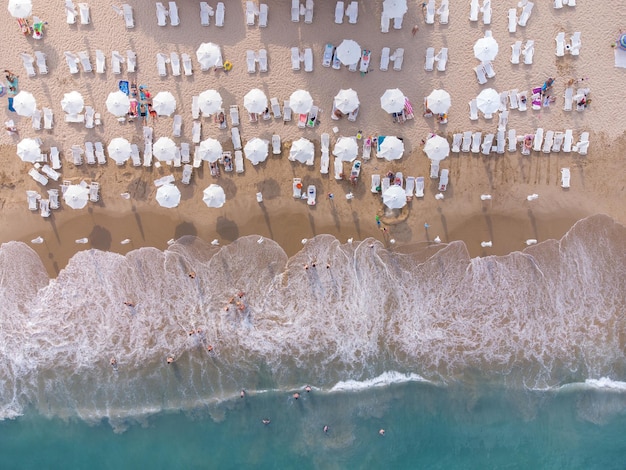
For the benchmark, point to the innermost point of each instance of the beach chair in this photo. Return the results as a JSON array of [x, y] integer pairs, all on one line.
[[456, 143], [538, 140], [430, 59], [161, 61], [529, 51], [296, 188], [177, 125], [196, 132], [384, 59], [397, 22], [286, 111], [28, 62], [442, 59], [94, 191], [197, 158], [187, 172], [116, 62], [236, 138], [558, 4], [384, 23], [516, 50], [89, 117], [522, 98], [568, 99], [70, 12], [513, 103], [512, 138], [295, 11], [486, 11], [324, 162], [276, 144], [205, 14], [38, 177], [128, 16], [220, 12], [525, 15], [583, 144], [131, 61], [548, 142], [84, 13], [558, 142], [487, 144], [250, 13], [84, 61], [375, 187], [275, 105], [503, 119], [476, 139], [429, 17], [99, 151], [175, 64], [66, 184], [339, 10], [44, 205], [51, 173], [434, 169], [42, 66], [187, 67], [234, 115], [338, 168], [565, 177], [467, 141], [473, 110], [302, 120], [173, 14], [443, 180], [195, 107], [568, 139], [263, 14], [295, 58], [398, 58], [134, 155], [308, 60], [100, 61], [312, 116], [253, 117], [53, 197], [353, 115], [352, 67], [575, 44], [72, 62], [480, 74], [308, 12], [55, 159], [512, 20], [560, 44], [444, 12], [385, 184], [489, 71], [352, 12], [409, 189], [185, 156], [36, 119], [327, 58], [419, 186], [161, 13], [474, 9], [500, 141]]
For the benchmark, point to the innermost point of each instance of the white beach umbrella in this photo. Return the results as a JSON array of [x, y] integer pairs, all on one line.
[[394, 8], [391, 148], [24, 103], [210, 102], [20, 8], [488, 101], [348, 52], [255, 101], [214, 196], [301, 150], [392, 101], [394, 197], [210, 150], [486, 49], [119, 150], [437, 148], [168, 196], [76, 196], [256, 150], [439, 101], [346, 149], [28, 150], [208, 55], [301, 102], [346, 101], [118, 103], [72, 102], [164, 149], [164, 103]]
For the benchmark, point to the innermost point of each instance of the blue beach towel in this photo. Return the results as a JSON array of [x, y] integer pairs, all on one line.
[[123, 84]]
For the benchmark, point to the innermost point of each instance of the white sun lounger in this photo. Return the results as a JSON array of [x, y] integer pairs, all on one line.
[[560, 44], [430, 12], [53, 196], [195, 107], [38, 177], [276, 145], [444, 12], [397, 22], [512, 141], [522, 98], [205, 14], [250, 13], [384, 59], [575, 44], [185, 156], [131, 61], [72, 61], [568, 139], [196, 132], [419, 186], [187, 67], [473, 110], [434, 169], [251, 61], [467, 141], [384, 23], [128, 15], [548, 141], [430, 59], [220, 12], [89, 117], [36, 119], [308, 60], [55, 159], [516, 50], [385, 184], [512, 20], [94, 189], [489, 71], [117, 60], [486, 11], [409, 189], [234, 115], [295, 11], [338, 168], [308, 12], [398, 58], [286, 111], [52, 174], [565, 177], [174, 19], [70, 12], [583, 144], [529, 51], [480, 74], [295, 58], [487, 144], [328, 55], [177, 125], [236, 138], [42, 66], [28, 62], [352, 12], [100, 61], [162, 59], [504, 101], [442, 59], [568, 99], [44, 205], [558, 4], [161, 13], [84, 13], [325, 161], [525, 15], [375, 187], [197, 158], [99, 149], [134, 155], [275, 105], [443, 180], [558, 142], [513, 103], [84, 61], [538, 140], [476, 138], [187, 172], [175, 64], [339, 9], [474, 9], [456, 143]]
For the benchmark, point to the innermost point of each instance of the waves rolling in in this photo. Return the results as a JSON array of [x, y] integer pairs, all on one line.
[[544, 317]]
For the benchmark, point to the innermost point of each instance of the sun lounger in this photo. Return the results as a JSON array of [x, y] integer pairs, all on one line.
[[529, 51], [100, 61], [250, 13], [429, 18], [384, 23], [286, 111], [70, 12], [352, 67], [134, 155], [302, 120], [253, 117], [161, 13], [548, 141], [473, 110], [72, 62], [339, 9], [456, 143], [55, 160], [38, 177], [480, 74], [175, 64], [384, 59], [308, 60], [263, 14], [525, 15], [489, 71], [536, 99], [185, 156], [565, 177], [89, 117], [328, 55], [195, 107], [308, 12], [568, 99], [397, 22], [161, 61], [276, 145], [324, 162], [84, 61], [522, 98], [398, 58], [558, 142], [275, 108], [128, 16], [36, 119], [504, 101], [538, 140], [51, 173], [443, 180], [251, 61], [352, 12], [419, 186], [262, 59], [430, 59], [385, 184], [583, 144], [116, 62], [42, 66], [568, 139], [219, 15], [84, 13], [220, 119], [375, 187], [205, 14], [487, 144], [312, 117], [99, 151], [444, 12], [44, 205], [527, 143], [500, 141], [558, 4], [197, 157], [53, 197], [513, 103], [187, 172], [295, 58], [234, 115], [560, 44], [474, 9], [338, 168], [512, 20], [186, 64], [295, 11], [467, 141], [434, 169], [442, 59], [516, 50], [512, 138], [575, 44], [503, 119], [236, 138], [196, 132], [409, 189], [476, 138], [486, 11], [28, 62], [353, 115], [94, 191], [227, 161], [177, 125]]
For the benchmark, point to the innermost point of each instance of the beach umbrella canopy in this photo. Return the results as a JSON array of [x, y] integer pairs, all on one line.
[[24, 103], [164, 103], [394, 8], [348, 52], [392, 101], [346, 149], [301, 150], [209, 55], [394, 197], [72, 102], [164, 149], [301, 102], [439, 101], [486, 49], [391, 148], [214, 196], [256, 150], [119, 150], [210, 150], [488, 101], [437, 148], [20, 8], [346, 101], [621, 42], [118, 103], [28, 150], [210, 102], [168, 196], [255, 101], [76, 196]]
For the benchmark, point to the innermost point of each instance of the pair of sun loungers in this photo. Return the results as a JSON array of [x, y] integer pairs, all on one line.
[[573, 47], [163, 13], [305, 10], [351, 11], [306, 57], [253, 58]]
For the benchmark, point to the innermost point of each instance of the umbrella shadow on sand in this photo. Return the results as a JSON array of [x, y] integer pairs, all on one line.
[[185, 228], [227, 229], [100, 238]]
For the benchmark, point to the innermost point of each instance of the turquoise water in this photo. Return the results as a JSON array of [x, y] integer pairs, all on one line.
[[426, 427]]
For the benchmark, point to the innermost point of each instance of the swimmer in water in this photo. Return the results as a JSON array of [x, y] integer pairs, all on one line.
[[170, 359], [266, 421], [381, 431], [296, 395], [243, 393], [192, 275], [113, 362], [326, 428], [307, 388]]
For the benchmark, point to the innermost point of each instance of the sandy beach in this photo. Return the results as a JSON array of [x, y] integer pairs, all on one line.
[[508, 219]]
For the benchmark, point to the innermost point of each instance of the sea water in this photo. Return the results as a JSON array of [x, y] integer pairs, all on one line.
[[493, 362]]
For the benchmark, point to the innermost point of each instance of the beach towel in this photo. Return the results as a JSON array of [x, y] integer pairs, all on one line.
[[620, 58], [379, 141], [123, 84]]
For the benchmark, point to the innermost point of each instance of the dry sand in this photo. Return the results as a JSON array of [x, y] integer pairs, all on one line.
[[597, 183]]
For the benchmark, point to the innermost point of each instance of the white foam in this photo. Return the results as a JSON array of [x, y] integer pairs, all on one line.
[[383, 380]]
